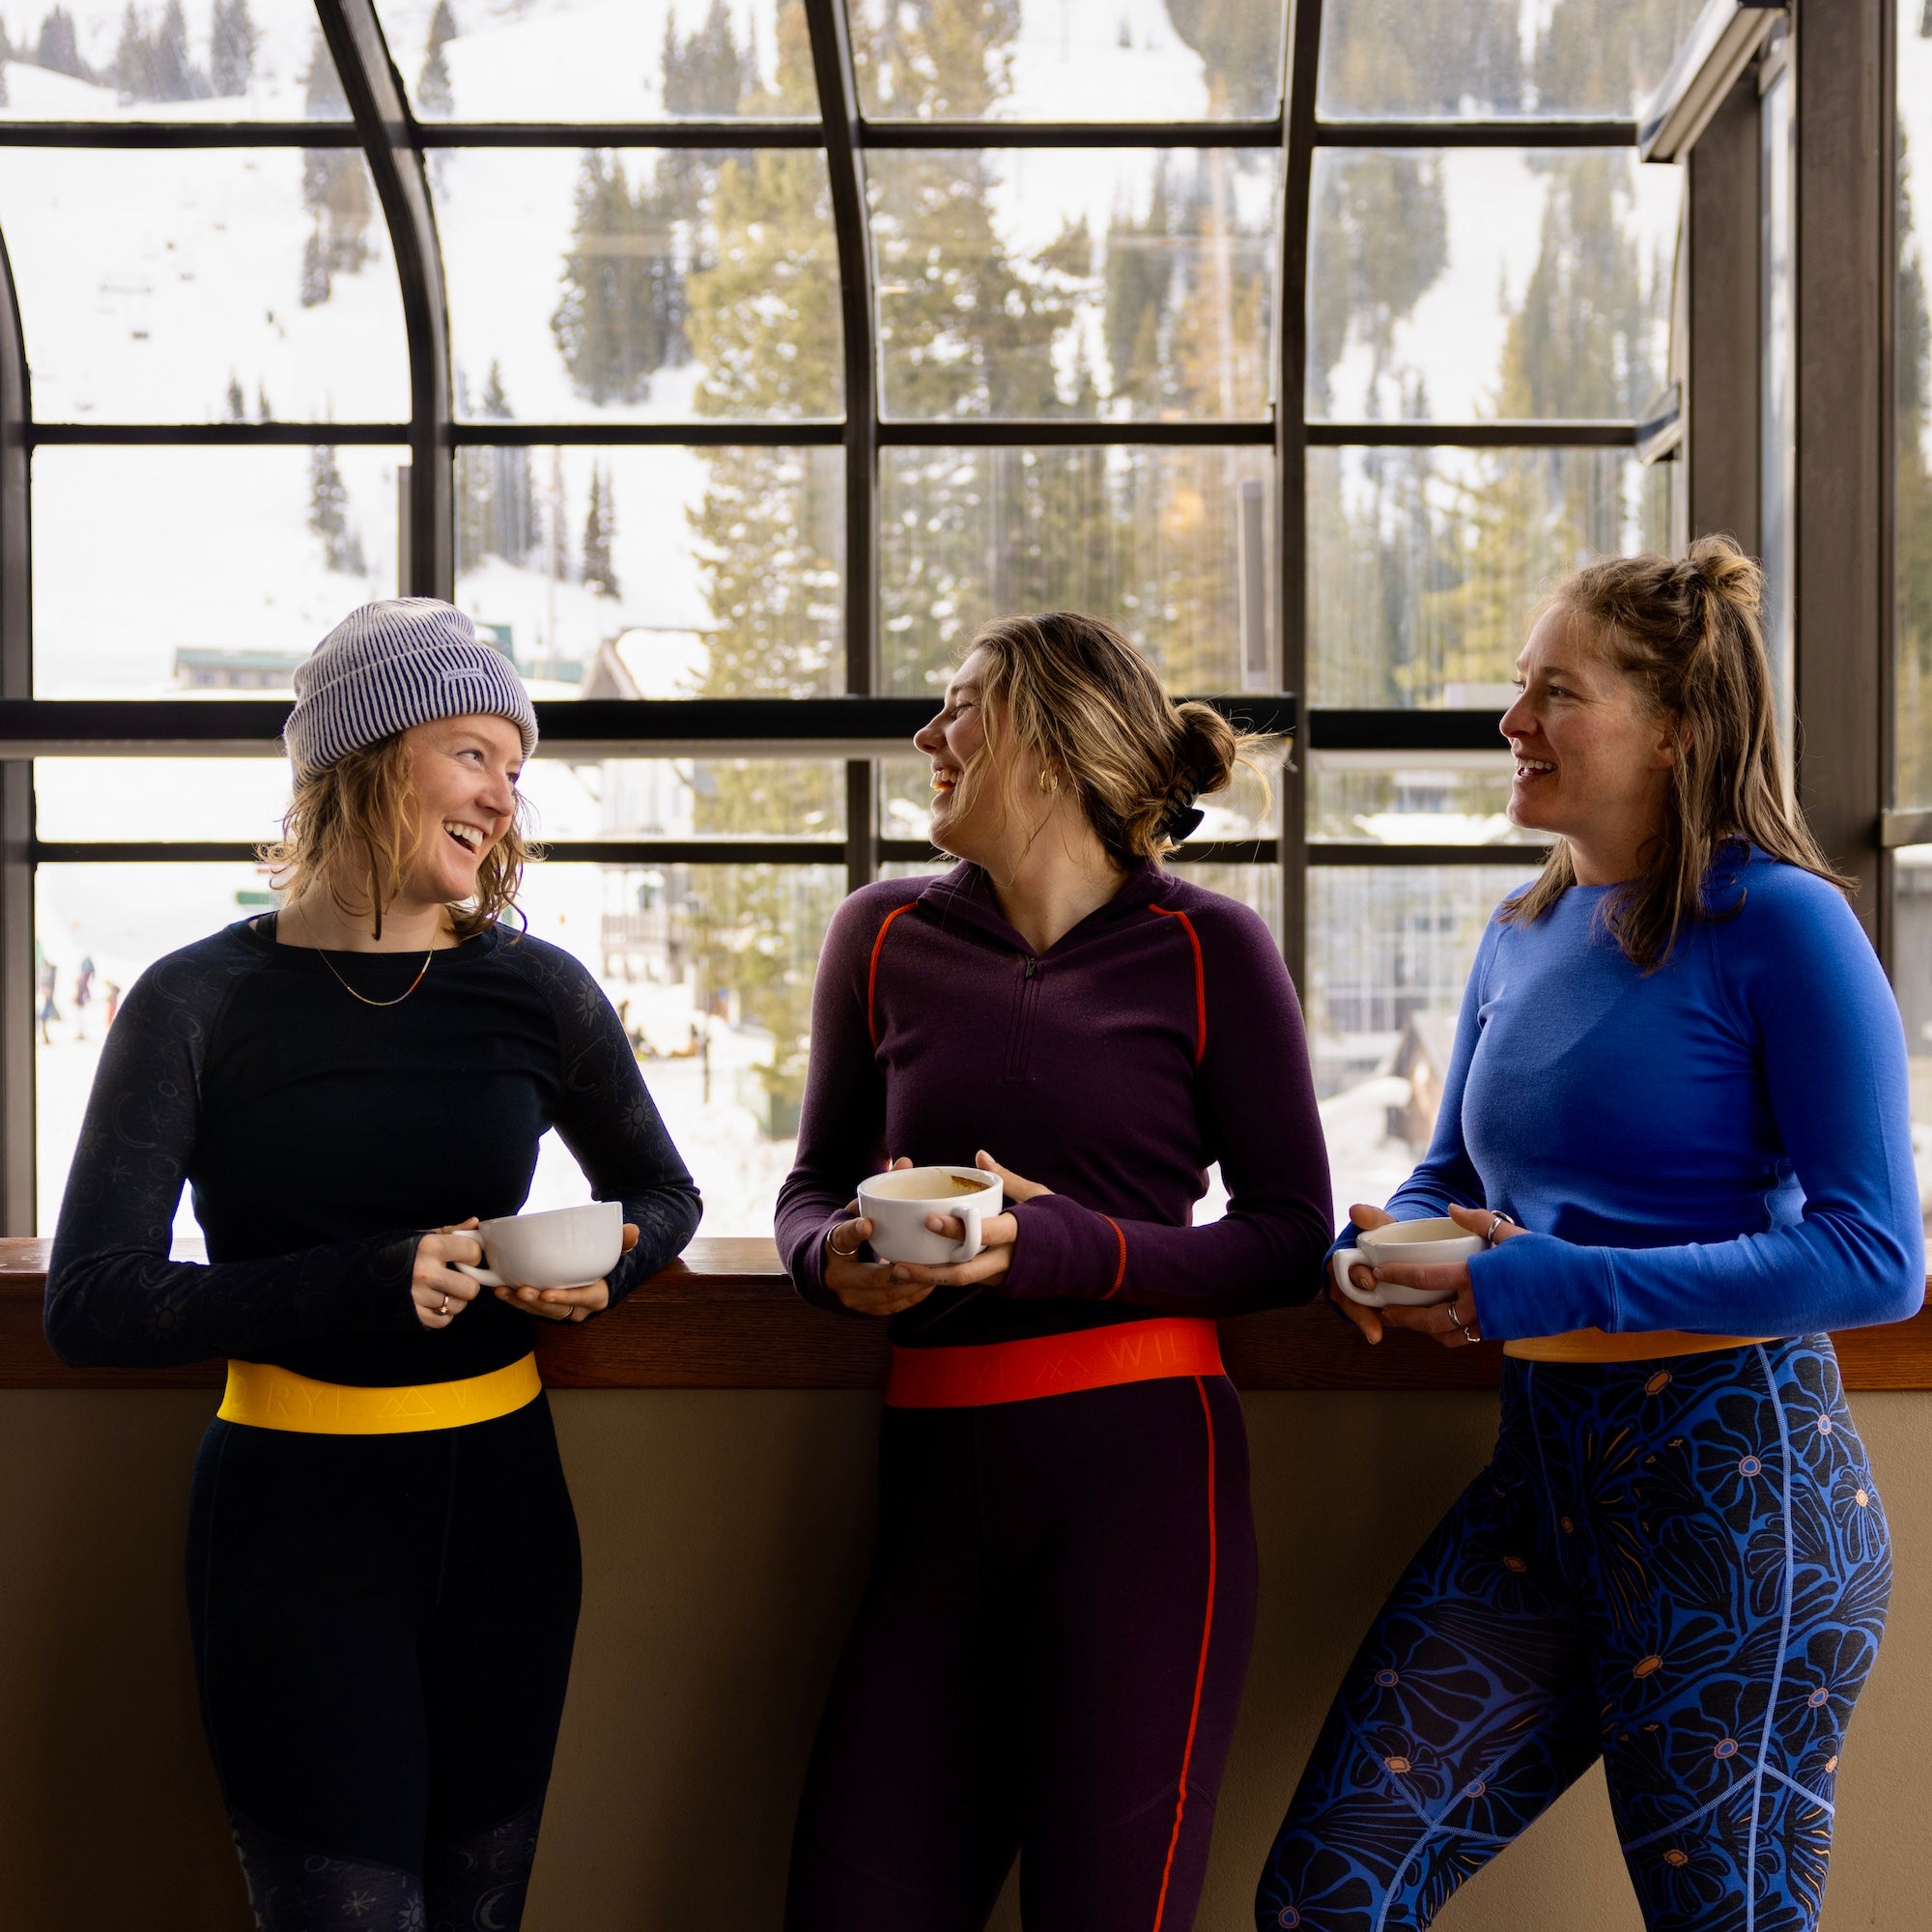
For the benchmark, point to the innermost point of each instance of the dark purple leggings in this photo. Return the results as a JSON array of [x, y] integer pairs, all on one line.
[[1047, 1662]]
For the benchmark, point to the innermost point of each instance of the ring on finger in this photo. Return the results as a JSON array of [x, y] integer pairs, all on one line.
[[1470, 1335], [843, 1254], [1496, 1221], [444, 1309]]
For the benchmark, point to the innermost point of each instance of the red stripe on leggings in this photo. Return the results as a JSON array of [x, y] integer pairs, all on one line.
[[1200, 1669], [1121, 1270]]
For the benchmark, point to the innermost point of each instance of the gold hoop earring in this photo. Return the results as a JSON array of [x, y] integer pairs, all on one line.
[[1049, 782]]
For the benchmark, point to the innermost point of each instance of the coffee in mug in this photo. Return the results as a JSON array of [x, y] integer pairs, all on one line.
[[1411, 1244], [565, 1247], [896, 1204]]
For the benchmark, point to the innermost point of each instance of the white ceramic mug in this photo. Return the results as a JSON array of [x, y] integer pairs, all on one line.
[[1410, 1243], [897, 1203], [567, 1247]]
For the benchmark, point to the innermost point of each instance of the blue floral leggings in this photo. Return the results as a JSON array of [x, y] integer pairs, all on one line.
[[1680, 1565]]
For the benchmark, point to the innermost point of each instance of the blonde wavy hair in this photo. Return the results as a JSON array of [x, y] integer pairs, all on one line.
[[355, 821], [1687, 632], [1086, 702]]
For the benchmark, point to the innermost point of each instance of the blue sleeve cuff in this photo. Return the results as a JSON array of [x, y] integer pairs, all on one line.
[[1536, 1285]]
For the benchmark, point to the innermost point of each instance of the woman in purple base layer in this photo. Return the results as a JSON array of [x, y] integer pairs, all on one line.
[[1051, 1650]]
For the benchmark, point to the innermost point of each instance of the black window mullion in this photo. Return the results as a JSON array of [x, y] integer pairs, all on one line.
[[388, 134], [841, 120], [1304, 58]]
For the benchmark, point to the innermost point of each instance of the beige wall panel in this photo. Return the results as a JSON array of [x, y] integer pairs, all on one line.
[[724, 1539]]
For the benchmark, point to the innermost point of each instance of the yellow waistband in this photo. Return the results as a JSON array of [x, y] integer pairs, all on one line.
[[1593, 1344], [270, 1398]]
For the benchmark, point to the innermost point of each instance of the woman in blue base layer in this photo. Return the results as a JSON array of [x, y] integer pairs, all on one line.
[[1677, 1110]]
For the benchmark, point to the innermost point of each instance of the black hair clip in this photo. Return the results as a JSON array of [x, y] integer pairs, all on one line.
[[1182, 823]]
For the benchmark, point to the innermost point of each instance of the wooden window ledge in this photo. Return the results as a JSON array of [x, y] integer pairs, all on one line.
[[726, 1316]]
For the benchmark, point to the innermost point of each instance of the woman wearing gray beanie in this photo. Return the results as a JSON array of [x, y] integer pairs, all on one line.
[[383, 1561]]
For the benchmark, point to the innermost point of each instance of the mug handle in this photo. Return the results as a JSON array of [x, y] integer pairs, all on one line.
[[1341, 1261], [971, 1214], [484, 1275]]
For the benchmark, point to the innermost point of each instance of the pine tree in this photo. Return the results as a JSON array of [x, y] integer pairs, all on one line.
[[434, 93], [238, 404], [172, 76], [328, 515], [58, 48], [707, 76], [599, 525], [233, 41], [131, 57], [264, 410], [336, 188], [620, 318]]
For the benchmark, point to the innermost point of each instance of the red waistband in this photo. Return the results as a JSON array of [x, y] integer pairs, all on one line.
[[1087, 1358]]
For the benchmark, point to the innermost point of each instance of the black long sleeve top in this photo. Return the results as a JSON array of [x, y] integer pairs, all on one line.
[[323, 1137]]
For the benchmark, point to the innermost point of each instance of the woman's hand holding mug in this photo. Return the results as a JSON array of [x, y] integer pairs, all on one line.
[[441, 1292], [1455, 1321], [885, 1287], [566, 1304]]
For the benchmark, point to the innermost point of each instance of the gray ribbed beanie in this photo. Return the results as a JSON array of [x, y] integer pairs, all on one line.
[[391, 665]]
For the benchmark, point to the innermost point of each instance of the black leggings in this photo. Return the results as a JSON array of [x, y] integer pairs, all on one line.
[[382, 1628], [1048, 1660]]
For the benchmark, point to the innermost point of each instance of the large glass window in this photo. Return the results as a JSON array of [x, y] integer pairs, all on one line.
[[658, 451]]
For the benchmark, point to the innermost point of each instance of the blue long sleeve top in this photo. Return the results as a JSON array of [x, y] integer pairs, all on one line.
[[1722, 1145]]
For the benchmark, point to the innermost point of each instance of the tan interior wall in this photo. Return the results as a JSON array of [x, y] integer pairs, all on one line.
[[724, 1537]]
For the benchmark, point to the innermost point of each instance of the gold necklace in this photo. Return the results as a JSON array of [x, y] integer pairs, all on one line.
[[363, 997]]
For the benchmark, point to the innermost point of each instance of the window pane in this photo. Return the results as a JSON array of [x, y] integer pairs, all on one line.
[[1410, 798], [228, 565], [1423, 564], [685, 797], [1125, 283], [639, 284], [1914, 387], [1151, 539], [1474, 283], [1496, 57], [212, 60], [1912, 980], [210, 285], [1389, 953], [658, 573], [587, 60], [1049, 60], [160, 798]]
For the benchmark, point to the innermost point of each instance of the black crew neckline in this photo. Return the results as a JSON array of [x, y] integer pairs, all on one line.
[[260, 932]]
